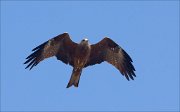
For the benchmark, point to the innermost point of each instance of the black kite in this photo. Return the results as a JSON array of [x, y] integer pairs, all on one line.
[[82, 55]]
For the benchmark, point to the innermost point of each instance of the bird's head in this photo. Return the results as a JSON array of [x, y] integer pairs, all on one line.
[[85, 40]]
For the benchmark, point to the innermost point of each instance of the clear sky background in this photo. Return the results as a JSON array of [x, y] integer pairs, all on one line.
[[147, 30]]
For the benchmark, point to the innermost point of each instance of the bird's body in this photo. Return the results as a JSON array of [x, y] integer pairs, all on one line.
[[82, 55]]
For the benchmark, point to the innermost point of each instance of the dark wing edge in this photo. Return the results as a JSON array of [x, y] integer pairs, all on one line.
[[47, 49], [108, 50]]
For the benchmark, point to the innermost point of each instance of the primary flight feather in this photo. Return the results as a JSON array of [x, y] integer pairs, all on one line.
[[82, 55]]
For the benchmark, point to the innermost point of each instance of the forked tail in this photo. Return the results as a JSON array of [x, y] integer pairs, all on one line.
[[74, 80]]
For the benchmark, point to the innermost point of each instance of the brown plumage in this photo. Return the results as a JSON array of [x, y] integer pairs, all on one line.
[[82, 55]]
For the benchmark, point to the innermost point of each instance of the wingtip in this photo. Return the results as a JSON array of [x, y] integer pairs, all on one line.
[[26, 67], [28, 57]]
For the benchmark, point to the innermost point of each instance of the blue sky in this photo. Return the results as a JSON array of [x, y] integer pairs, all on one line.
[[148, 31]]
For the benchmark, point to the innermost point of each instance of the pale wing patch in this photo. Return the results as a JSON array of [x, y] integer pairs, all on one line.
[[50, 49]]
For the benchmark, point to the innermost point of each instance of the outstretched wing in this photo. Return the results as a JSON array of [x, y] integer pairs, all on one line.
[[108, 50], [60, 46]]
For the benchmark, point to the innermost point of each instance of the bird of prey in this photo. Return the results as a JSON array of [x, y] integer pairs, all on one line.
[[81, 55]]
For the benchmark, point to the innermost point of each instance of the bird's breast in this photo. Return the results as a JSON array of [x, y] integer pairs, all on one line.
[[81, 56], [83, 50]]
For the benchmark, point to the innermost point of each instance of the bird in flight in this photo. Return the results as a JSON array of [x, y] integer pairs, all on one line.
[[81, 55]]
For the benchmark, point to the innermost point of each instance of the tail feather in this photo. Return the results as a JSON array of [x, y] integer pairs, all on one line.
[[75, 77]]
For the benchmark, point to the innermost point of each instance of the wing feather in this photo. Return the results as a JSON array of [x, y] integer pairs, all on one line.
[[56, 46], [108, 50]]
